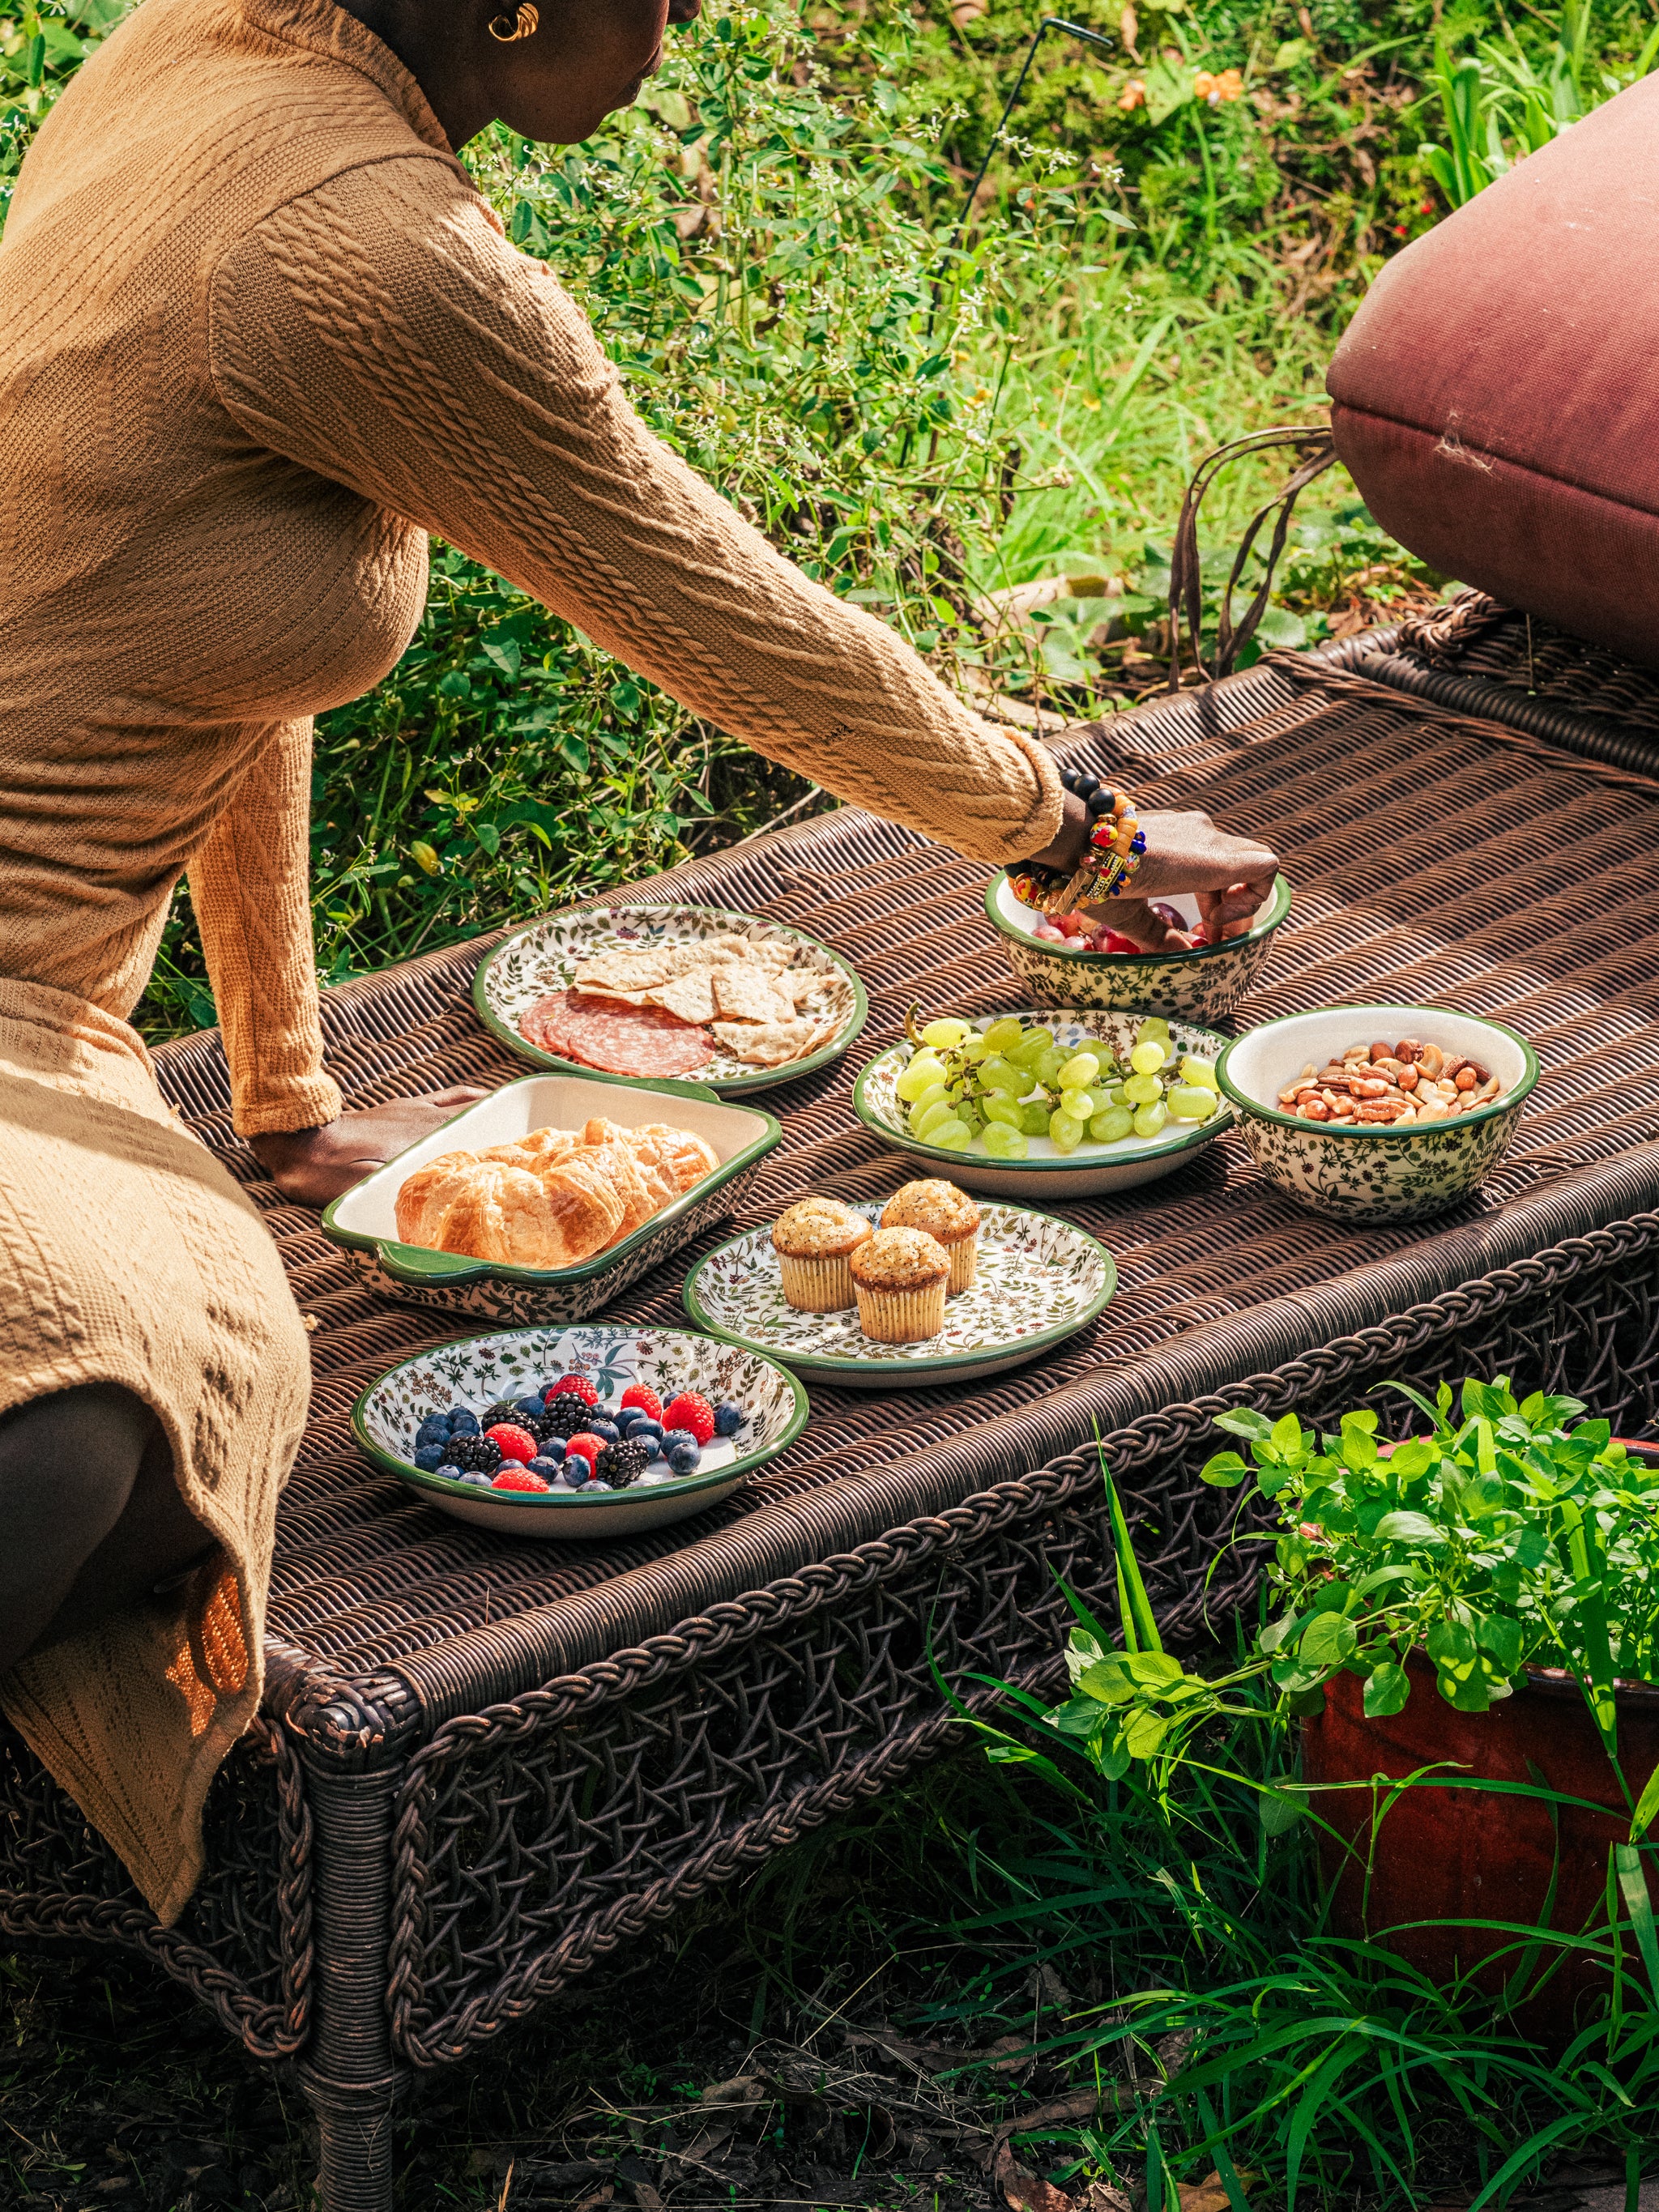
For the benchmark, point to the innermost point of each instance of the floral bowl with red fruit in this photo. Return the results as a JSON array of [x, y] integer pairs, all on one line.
[[1078, 960], [578, 1433]]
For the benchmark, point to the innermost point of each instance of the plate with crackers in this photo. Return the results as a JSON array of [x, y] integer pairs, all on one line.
[[686, 993]]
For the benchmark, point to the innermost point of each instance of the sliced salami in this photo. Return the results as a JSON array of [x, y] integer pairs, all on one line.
[[620, 1039]]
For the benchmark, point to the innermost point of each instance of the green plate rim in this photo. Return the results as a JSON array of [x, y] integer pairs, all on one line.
[[724, 1086], [838, 1364], [1252, 1109], [684, 1486], [1279, 908], [1074, 1163], [586, 1271]]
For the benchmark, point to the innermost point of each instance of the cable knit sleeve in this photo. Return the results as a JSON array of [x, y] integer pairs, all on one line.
[[248, 887], [380, 330]]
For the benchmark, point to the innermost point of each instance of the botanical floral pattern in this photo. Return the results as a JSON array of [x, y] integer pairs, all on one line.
[[1381, 1175], [473, 1371], [879, 1107], [1040, 1279], [500, 1298], [1203, 986], [527, 965]]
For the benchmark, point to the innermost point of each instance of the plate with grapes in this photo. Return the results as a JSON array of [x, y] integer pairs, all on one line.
[[1017, 1071]]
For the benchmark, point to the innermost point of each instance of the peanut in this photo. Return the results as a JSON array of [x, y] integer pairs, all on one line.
[[1313, 1108], [1378, 1084], [1466, 1078]]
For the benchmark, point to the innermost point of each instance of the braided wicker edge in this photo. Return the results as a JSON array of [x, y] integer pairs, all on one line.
[[1045, 1491], [268, 2031]]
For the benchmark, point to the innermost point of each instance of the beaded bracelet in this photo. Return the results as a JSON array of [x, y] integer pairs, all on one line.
[[1114, 854]]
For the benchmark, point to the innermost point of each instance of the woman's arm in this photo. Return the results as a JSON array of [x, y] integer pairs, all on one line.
[[380, 332]]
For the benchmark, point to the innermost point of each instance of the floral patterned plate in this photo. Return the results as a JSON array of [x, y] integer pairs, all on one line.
[[1045, 1172], [1040, 1280], [532, 962], [476, 1371]]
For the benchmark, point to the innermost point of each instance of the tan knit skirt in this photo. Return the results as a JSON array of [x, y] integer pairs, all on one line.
[[128, 1256]]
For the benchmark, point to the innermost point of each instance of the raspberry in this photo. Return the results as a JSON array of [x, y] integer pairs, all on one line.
[[519, 1478], [647, 1400], [585, 1447], [567, 1413], [514, 1441], [474, 1455], [580, 1383], [621, 1464], [690, 1410]]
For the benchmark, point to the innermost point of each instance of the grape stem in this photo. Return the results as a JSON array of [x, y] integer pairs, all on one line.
[[912, 1024]]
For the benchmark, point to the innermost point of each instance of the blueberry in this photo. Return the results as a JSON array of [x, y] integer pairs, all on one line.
[[434, 1430], [430, 1457], [728, 1419], [597, 1484], [450, 1472], [673, 1438], [576, 1471], [648, 1433], [528, 1409], [606, 1431], [463, 1424], [475, 1481], [685, 1458], [551, 1448], [549, 1469]]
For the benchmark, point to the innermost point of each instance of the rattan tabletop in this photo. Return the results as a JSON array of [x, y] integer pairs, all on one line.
[[1433, 858]]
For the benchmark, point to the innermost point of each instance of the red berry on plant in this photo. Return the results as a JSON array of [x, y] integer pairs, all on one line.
[[690, 1410], [580, 1383], [636, 1394], [516, 1444], [515, 1477]]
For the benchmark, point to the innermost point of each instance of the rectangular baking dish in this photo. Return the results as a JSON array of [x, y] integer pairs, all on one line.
[[364, 1221]]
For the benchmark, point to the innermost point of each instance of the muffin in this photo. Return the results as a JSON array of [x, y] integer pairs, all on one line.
[[900, 1276], [814, 1242], [949, 1216]]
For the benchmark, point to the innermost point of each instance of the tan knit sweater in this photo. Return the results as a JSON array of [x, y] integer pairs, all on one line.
[[258, 335]]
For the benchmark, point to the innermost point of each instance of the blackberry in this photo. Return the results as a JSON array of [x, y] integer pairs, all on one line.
[[621, 1464], [504, 1409], [474, 1455], [566, 1414]]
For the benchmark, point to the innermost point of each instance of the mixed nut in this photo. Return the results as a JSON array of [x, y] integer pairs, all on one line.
[[1381, 1086]]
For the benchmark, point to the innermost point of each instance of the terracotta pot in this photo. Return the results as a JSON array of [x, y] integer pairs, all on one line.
[[1445, 1855]]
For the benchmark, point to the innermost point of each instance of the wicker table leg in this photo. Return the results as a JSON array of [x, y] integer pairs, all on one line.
[[349, 2072]]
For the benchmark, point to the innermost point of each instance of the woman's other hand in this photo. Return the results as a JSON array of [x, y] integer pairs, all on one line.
[[312, 1166], [1230, 877]]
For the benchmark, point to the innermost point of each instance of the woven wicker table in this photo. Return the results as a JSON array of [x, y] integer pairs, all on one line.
[[483, 1764]]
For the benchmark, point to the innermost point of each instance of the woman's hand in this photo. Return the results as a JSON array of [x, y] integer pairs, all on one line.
[[312, 1166], [1230, 877]]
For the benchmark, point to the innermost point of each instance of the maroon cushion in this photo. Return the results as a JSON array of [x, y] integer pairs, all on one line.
[[1497, 396]]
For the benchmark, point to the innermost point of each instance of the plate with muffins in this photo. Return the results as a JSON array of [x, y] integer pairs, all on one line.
[[911, 1291]]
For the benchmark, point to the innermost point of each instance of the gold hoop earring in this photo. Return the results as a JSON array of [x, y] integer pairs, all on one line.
[[507, 28]]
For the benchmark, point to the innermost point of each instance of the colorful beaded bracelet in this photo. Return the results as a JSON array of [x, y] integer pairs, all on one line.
[[1116, 845]]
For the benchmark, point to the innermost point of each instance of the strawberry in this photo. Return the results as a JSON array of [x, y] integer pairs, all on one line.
[[515, 1444], [690, 1410], [580, 1383], [647, 1400], [515, 1477]]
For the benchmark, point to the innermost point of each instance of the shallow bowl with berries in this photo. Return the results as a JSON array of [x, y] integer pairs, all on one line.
[[1378, 1113], [574, 1433], [1064, 961]]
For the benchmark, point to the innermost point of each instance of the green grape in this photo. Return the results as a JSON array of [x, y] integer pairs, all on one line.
[[1153, 1026], [931, 1118], [931, 1096], [1142, 1089], [1149, 1120], [1004, 1113], [1077, 1072], [1030, 1049], [972, 1116], [973, 1049], [925, 1068], [1047, 1066], [1004, 1144], [1191, 1101], [1147, 1057], [1005, 1035], [951, 1136], [1116, 1121], [1064, 1133], [945, 1032], [1080, 1104], [997, 1073], [1034, 1119], [1202, 1071]]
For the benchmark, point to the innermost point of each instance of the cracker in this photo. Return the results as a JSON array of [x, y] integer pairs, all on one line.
[[766, 1044], [742, 995], [688, 995]]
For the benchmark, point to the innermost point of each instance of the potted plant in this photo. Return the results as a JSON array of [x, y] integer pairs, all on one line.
[[1466, 1625]]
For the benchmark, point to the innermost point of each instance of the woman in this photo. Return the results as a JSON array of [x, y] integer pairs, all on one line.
[[257, 336]]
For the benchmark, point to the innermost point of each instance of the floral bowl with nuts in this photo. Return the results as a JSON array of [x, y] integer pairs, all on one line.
[[1378, 1113]]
